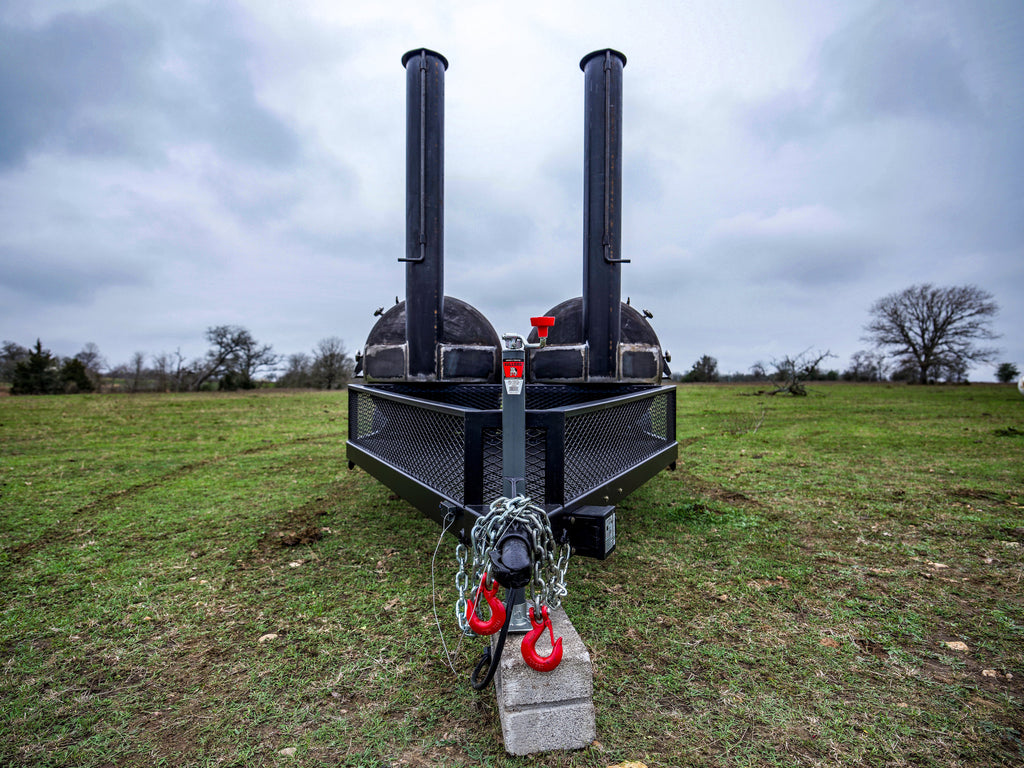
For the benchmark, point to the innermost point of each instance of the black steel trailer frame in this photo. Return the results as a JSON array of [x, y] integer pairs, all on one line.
[[439, 447]]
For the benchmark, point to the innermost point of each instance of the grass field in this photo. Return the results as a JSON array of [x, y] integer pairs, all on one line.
[[200, 580]]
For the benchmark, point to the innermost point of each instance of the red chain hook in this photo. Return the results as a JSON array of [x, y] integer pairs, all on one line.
[[529, 646], [497, 619]]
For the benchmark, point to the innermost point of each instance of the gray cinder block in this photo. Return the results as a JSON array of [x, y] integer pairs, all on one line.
[[544, 711]]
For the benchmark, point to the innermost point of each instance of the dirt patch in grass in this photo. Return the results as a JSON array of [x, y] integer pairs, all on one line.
[[298, 526], [302, 525], [712, 491]]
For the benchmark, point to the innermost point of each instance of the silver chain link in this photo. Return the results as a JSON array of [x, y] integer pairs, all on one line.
[[462, 587], [550, 563]]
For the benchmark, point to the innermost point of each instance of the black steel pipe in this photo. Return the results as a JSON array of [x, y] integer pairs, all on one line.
[[602, 210], [424, 208]]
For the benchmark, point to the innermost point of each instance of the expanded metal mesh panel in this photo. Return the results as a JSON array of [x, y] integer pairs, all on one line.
[[536, 442], [487, 397], [363, 407], [483, 397], [600, 444], [662, 411], [608, 431], [425, 444], [546, 396]]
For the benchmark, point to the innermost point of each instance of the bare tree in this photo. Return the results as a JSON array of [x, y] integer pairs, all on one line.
[[866, 365], [218, 357], [234, 357], [93, 361], [934, 330], [137, 368], [179, 371], [298, 372], [162, 367], [10, 355], [251, 358], [332, 366], [792, 371]]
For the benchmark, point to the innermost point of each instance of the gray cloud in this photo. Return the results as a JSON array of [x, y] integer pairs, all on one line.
[[888, 64], [33, 277], [115, 82], [59, 82], [891, 64], [810, 248]]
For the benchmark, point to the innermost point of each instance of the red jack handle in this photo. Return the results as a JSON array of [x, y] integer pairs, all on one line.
[[542, 324]]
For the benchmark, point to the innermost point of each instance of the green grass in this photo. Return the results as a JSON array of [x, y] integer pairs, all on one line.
[[783, 598]]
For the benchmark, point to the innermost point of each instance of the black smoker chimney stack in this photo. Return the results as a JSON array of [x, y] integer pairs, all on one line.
[[602, 210], [424, 208], [428, 337]]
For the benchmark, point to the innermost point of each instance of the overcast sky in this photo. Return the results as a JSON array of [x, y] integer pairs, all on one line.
[[166, 167]]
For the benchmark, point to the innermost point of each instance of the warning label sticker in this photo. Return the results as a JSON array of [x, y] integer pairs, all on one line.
[[514, 369]]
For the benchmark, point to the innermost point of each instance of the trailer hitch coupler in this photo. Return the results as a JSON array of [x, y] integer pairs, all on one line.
[[510, 560]]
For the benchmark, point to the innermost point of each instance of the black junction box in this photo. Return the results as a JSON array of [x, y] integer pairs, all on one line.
[[592, 531]]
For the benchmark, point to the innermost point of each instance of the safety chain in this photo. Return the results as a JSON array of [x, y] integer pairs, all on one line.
[[547, 584]]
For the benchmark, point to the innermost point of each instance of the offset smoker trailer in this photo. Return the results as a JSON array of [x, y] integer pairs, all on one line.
[[439, 446], [519, 446], [597, 423]]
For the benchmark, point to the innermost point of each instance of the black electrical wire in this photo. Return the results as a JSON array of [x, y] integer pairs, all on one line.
[[488, 660]]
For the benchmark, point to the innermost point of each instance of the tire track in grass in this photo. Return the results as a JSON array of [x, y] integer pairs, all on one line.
[[75, 529]]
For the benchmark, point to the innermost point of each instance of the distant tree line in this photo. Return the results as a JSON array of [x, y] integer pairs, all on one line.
[[235, 360], [922, 334]]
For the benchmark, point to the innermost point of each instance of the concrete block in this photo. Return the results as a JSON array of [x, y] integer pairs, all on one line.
[[544, 729], [544, 711]]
